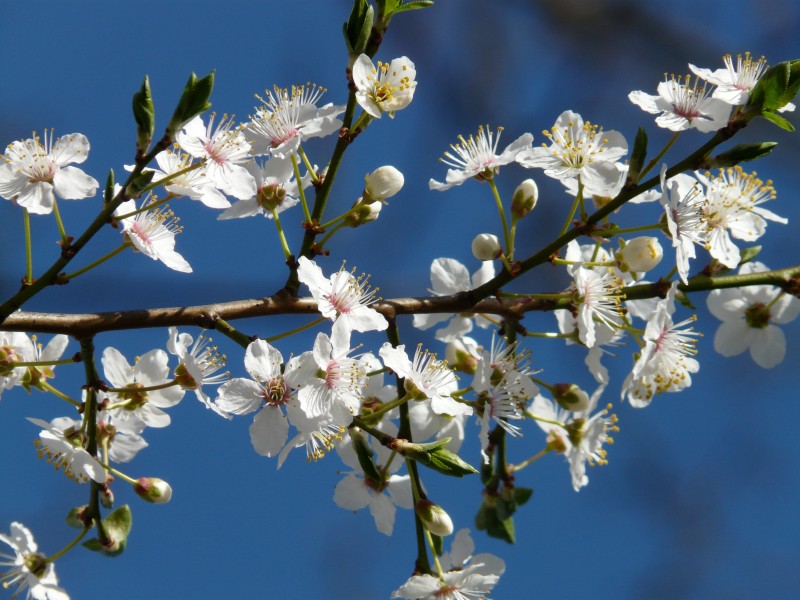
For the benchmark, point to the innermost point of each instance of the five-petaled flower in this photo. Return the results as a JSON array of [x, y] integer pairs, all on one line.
[[386, 88]]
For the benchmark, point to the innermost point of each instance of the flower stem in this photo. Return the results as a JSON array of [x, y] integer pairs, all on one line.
[[388, 406], [280, 336], [60, 223], [578, 198], [69, 546], [26, 218], [151, 388], [499, 202], [658, 157], [229, 330], [287, 254], [49, 388], [637, 229], [172, 176], [300, 189], [99, 261], [535, 457], [307, 163], [329, 235], [147, 206]]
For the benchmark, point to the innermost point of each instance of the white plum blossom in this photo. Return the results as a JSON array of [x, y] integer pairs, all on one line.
[[426, 375], [733, 209], [199, 365], [18, 347], [357, 491], [133, 410], [28, 570], [386, 88], [466, 576], [317, 434], [223, 149], [578, 150], [681, 106], [152, 233], [426, 424], [477, 157], [194, 184], [578, 436], [735, 82], [684, 205], [342, 297], [287, 117], [67, 453], [34, 171], [597, 294], [267, 392], [448, 276], [750, 316], [666, 361]]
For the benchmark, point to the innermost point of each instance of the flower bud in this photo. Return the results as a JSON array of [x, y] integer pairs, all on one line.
[[524, 199], [571, 397], [639, 255], [363, 213], [382, 183], [486, 246], [434, 517], [107, 498], [153, 490], [461, 354]]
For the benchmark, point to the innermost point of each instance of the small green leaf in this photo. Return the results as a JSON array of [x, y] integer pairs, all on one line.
[[741, 153], [117, 526], [778, 120], [488, 520], [145, 115], [638, 155], [358, 27], [435, 456], [108, 192], [399, 6], [193, 102], [141, 181], [522, 495], [365, 455], [748, 254]]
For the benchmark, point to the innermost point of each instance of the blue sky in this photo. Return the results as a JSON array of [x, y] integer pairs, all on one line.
[[699, 499]]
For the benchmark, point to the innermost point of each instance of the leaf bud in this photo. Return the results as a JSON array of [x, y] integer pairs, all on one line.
[[486, 246], [153, 490], [382, 183], [434, 517], [524, 199]]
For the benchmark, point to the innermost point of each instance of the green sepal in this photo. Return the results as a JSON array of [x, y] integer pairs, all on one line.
[[434, 455], [193, 102], [522, 495], [74, 517], [741, 153], [778, 120], [108, 192], [392, 7], [141, 181], [145, 115], [117, 526], [358, 27], [638, 155], [365, 455]]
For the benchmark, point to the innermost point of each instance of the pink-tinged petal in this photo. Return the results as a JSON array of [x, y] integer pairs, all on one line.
[[239, 396], [449, 276], [262, 361], [309, 273], [733, 337], [351, 493], [322, 350], [269, 431], [768, 347], [383, 511], [71, 183]]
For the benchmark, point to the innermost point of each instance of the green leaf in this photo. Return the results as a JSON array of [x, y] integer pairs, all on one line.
[[522, 495], [141, 181], [401, 6], [638, 155], [117, 526], [778, 120], [365, 455], [108, 192], [741, 153], [193, 102], [435, 456], [358, 27], [145, 115], [748, 254], [488, 520], [775, 88]]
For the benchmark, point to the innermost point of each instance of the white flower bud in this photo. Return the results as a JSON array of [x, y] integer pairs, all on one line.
[[153, 490], [524, 199], [486, 246], [382, 183], [639, 255], [571, 397], [434, 517]]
